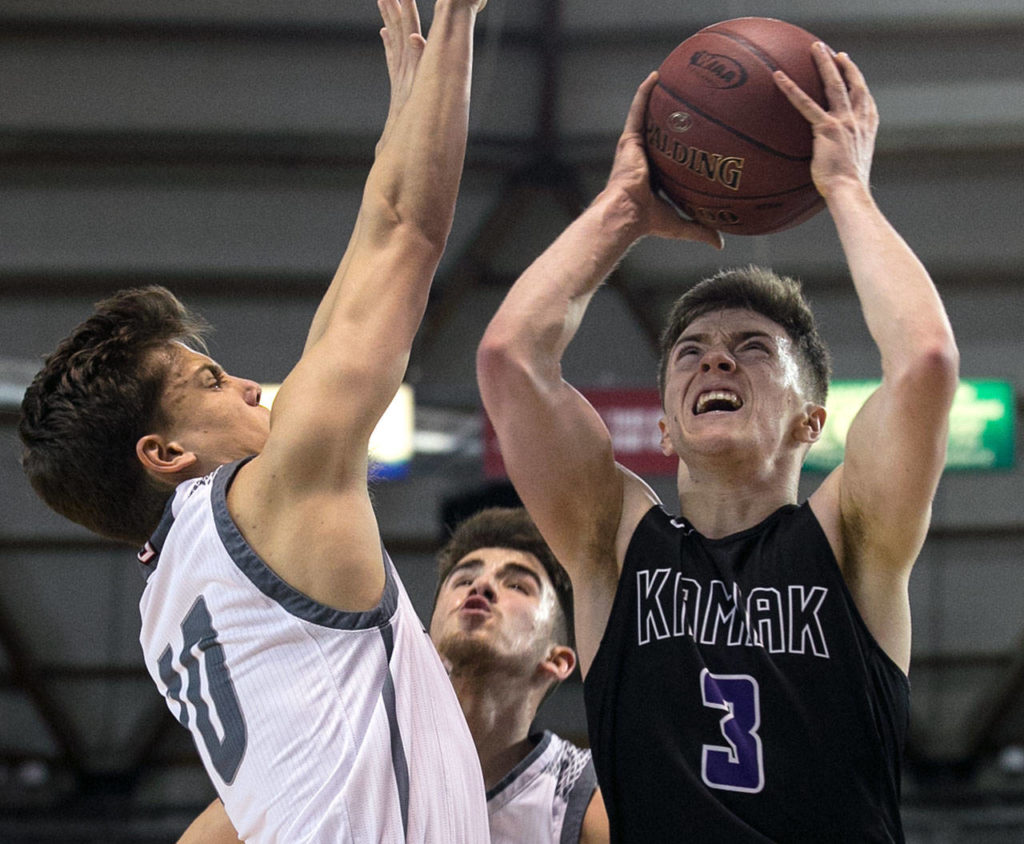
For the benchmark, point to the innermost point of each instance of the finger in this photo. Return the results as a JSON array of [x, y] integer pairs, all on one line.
[[411, 16], [860, 96], [702, 234], [803, 103], [835, 86], [637, 108], [389, 13], [670, 221]]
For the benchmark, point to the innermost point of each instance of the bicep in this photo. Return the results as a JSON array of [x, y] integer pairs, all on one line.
[[558, 454], [895, 451]]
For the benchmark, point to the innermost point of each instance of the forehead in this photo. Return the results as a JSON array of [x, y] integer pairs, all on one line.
[[180, 361], [497, 557], [733, 321]]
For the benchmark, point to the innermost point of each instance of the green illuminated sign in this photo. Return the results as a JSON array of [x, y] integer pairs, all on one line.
[[981, 425]]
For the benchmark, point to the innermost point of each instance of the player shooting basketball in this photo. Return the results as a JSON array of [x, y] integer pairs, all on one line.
[[745, 663], [273, 621]]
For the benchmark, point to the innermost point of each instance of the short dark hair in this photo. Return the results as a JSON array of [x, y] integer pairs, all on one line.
[[509, 527], [95, 396], [756, 289]]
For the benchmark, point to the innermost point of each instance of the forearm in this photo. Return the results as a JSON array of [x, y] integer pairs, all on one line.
[[411, 189], [419, 165], [901, 306]]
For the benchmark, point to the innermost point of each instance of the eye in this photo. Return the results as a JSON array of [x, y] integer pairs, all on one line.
[[521, 584], [687, 350]]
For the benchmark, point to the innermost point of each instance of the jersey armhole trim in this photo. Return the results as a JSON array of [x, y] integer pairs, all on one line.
[[270, 583], [521, 766]]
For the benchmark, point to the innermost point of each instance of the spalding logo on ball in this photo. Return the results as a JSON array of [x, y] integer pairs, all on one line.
[[723, 141]]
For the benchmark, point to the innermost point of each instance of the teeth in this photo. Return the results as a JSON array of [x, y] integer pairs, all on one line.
[[717, 396]]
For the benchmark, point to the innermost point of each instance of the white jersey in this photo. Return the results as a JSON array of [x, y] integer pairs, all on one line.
[[314, 725], [543, 799]]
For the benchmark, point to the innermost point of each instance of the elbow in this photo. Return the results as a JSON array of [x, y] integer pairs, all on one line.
[[394, 220], [499, 366], [935, 370], [942, 359], [493, 358]]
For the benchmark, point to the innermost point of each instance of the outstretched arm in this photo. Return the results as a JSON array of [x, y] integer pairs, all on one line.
[[557, 450], [314, 465], [403, 46], [877, 505]]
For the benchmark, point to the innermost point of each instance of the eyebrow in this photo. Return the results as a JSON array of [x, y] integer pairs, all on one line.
[[517, 568], [215, 369], [740, 336]]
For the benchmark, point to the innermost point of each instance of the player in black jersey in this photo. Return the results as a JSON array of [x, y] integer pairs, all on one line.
[[745, 662]]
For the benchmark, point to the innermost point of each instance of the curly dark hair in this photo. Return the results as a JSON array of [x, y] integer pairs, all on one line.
[[95, 396], [757, 289], [510, 527]]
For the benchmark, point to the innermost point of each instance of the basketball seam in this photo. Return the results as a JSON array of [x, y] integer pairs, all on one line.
[[745, 198], [746, 138], [771, 64]]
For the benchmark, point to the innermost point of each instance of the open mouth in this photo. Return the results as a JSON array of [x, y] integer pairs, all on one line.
[[721, 400], [475, 603]]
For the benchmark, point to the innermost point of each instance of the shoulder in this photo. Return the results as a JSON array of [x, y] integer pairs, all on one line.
[[574, 766]]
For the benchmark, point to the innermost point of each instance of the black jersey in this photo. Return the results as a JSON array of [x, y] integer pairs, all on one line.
[[737, 695]]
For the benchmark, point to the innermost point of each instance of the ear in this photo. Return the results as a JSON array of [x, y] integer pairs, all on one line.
[[666, 444], [811, 423], [162, 457], [559, 663]]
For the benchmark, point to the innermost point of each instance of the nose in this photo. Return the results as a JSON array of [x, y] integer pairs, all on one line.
[[251, 391], [482, 585], [718, 359]]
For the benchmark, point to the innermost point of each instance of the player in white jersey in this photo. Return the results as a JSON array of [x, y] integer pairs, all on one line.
[[550, 796], [502, 622], [273, 620]]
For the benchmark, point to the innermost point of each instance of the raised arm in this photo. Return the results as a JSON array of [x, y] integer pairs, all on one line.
[[305, 497], [877, 505], [557, 450]]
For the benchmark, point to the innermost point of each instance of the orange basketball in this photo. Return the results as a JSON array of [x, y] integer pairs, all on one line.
[[723, 141]]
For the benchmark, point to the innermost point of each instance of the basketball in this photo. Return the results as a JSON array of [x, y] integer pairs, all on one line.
[[724, 143]]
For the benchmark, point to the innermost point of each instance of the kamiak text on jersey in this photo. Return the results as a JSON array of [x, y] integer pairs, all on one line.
[[717, 613]]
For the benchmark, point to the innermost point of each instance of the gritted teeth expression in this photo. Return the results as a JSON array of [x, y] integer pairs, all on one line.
[[717, 400]]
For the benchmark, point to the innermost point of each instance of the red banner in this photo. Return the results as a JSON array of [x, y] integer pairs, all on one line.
[[632, 418]]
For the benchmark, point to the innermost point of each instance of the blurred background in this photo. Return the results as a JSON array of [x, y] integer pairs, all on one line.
[[219, 148]]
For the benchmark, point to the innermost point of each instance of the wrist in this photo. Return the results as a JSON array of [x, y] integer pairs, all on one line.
[[846, 189], [620, 215]]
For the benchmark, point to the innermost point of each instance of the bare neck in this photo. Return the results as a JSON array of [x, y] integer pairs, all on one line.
[[720, 498], [499, 710]]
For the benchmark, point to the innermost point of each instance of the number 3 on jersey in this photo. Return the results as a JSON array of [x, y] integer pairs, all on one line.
[[738, 766], [200, 643]]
